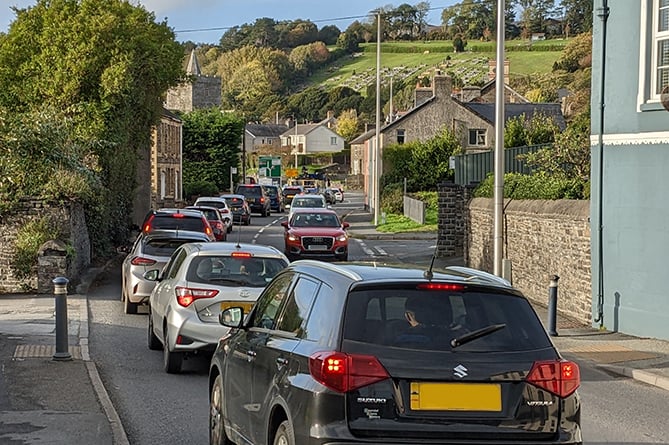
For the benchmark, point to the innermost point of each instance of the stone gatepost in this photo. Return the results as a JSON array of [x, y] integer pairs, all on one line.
[[51, 262]]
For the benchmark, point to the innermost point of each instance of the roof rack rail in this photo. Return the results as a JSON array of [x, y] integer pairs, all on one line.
[[473, 274]]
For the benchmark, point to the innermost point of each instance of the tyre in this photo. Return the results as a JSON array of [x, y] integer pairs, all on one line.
[[216, 426], [171, 360], [284, 434], [153, 341], [130, 307]]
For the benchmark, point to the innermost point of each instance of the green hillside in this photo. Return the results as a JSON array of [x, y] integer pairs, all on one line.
[[406, 59]]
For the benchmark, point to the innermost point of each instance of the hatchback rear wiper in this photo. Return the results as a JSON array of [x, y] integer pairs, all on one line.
[[466, 338]]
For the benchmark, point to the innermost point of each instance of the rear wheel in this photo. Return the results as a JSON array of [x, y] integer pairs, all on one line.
[[284, 434], [217, 434], [130, 307], [153, 341], [171, 360]]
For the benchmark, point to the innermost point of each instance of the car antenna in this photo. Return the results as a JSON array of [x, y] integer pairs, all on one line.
[[239, 232], [428, 273]]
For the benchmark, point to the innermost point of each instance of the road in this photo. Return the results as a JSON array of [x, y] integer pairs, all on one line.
[[159, 408]]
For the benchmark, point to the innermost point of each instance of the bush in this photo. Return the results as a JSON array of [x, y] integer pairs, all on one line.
[[29, 239], [538, 186], [200, 188], [392, 198]]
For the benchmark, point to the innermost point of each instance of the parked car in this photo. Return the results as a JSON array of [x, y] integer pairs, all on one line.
[[216, 221], [307, 201], [256, 197], [241, 213], [177, 219], [221, 204], [199, 281], [289, 192], [150, 251], [274, 198], [315, 233], [327, 355]]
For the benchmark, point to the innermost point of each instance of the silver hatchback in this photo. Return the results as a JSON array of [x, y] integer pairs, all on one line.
[[150, 251], [199, 281]]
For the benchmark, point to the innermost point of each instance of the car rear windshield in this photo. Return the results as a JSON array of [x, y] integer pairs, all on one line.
[[211, 215], [215, 204], [164, 246], [234, 202], [292, 191], [271, 191], [234, 271], [177, 223], [249, 191], [308, 202], [382, 317]]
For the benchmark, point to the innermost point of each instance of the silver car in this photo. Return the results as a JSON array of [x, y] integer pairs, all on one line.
[[199, 281], [150, 251]]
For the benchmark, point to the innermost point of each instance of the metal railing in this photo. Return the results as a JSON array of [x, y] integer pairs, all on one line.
[[474, 167]]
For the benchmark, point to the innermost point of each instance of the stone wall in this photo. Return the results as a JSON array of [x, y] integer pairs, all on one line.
[[72, 224], [541, 239]]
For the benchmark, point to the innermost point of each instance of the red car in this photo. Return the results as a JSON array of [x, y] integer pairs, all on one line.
[[215, 219], [316, 233]]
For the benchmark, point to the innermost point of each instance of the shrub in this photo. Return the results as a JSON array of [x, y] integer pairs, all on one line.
[[537, 186], [200, 188], [28, 241], [392, 198]]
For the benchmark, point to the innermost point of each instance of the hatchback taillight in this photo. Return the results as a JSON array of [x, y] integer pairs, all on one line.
[[560, 377], [186, 295], [224, 210], [140, 261], [147, 226], [346, 372]]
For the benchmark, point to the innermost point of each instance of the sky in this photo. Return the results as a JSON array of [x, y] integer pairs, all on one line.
[[187, 15]]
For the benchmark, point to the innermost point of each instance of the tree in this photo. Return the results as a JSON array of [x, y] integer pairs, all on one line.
[[211, 142], [578, 16], [329, 34], [348, 42], [348, 125], [107, 64]]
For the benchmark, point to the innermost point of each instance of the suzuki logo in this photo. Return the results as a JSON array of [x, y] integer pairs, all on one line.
[[460, 371]]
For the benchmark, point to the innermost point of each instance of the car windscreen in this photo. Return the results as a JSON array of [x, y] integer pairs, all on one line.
[[223, 270], [177, 223], [164, 246], [315, 220], [388, 317]]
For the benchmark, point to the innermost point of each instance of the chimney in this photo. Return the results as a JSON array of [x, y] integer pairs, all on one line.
[[470, 93], [442, 85]]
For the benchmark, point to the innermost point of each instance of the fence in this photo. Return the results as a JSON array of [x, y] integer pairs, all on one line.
[[474, 167]]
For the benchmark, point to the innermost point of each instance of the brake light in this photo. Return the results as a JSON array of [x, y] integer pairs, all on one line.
[[224, 210], [346, 372], [262, 200], [240, 255], [560, 377], [140, 261], [186, 295], [441, 286], [208, 230], [178, 215], [147, 226]]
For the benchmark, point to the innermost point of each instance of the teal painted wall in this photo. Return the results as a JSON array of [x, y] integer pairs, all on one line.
[[635, 191]]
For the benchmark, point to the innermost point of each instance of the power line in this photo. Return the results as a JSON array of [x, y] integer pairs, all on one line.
[[335, 19]]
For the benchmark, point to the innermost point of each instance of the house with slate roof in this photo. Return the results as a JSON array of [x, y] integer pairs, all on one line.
[[263, 135], [312, 140]]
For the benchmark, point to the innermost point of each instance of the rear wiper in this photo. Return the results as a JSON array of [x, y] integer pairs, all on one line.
[[466, 338]]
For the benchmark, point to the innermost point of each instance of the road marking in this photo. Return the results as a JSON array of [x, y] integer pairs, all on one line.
[[381, 251]]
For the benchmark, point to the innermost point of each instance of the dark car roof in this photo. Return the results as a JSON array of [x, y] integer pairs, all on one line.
[[391, 272]]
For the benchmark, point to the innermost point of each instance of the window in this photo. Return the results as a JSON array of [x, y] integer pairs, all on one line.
[[660, 61], [401, 136], [477, 137], [267, 307], [297, 307], [333, 140], [324, 319]]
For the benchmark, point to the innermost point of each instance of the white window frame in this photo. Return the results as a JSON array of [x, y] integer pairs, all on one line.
[[333, 140], [657, 37], [480, 136], [648, 99]]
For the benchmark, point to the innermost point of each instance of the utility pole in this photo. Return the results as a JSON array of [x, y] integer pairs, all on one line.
[[499, 144], [377, 151]]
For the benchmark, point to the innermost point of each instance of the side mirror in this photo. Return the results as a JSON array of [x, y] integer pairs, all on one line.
[[345, 225], [152, 275], [284, 224], [232, 317]]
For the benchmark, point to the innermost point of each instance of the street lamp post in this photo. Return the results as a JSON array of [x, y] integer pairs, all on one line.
[[377, 148], [499, 144]]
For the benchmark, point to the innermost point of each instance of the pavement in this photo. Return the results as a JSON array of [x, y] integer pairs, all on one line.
[[45, 399]]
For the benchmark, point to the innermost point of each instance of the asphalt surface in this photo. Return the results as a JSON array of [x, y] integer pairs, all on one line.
[[48, 401]]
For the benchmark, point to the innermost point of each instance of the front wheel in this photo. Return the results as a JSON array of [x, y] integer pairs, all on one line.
[[217, 434], [284, 434]]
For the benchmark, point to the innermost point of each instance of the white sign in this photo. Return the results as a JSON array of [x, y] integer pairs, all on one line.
[[233, 170]]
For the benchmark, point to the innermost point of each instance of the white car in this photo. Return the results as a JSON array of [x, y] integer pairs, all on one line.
[[199, 281], [221, 204], [307, 201]]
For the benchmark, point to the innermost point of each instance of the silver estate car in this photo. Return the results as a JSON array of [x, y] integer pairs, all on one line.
[[199, 281], [150, 251]]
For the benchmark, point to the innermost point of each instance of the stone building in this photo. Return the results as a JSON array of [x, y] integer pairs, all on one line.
[[201, 92]]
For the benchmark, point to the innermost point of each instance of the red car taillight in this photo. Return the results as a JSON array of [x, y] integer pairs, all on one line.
[[346, 372], [186, 295], [140, 261], [560, 377], [224, 210], [147, 226]]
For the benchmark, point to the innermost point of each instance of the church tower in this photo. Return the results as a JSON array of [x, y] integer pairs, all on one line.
[[202, 92]]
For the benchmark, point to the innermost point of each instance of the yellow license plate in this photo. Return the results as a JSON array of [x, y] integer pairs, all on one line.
[[456, 396], [242, 304]]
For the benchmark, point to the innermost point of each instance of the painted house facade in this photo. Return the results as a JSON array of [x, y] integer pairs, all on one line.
[[630, 155], [312, 140]]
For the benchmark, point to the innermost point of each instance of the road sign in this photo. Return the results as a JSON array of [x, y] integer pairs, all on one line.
[[270, 165], [291, 173]]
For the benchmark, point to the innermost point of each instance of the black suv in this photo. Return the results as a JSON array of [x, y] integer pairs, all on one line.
[[275, 198], [256, 197], [370, 353]]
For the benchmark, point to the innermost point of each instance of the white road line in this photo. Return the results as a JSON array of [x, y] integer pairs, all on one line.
[[381, 251]]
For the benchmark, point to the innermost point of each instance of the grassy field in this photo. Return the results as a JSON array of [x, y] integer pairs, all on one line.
[[405, 59]]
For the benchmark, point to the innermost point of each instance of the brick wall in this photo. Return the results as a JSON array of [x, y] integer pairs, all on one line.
[[541, 239], [72, 223]]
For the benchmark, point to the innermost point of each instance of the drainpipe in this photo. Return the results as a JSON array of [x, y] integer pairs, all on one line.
[[603, 14]]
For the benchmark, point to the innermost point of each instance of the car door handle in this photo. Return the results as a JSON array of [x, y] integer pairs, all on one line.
[[282, 361]]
